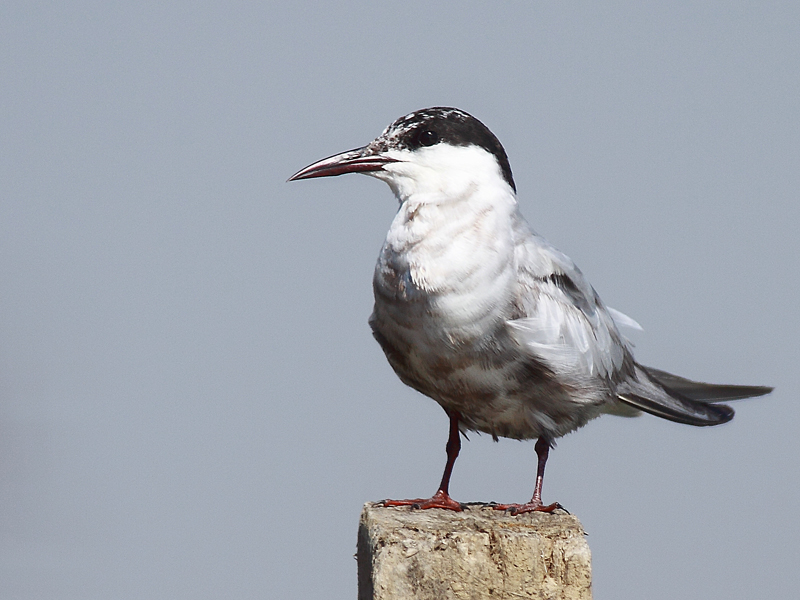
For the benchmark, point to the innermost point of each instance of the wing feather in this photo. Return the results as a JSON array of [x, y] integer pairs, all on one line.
[[706, 392], [564, 322]]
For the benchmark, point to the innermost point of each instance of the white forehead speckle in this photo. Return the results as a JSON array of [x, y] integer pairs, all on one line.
[[405, 124]]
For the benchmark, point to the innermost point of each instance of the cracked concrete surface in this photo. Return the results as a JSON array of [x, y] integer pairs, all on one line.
[[478, 553]]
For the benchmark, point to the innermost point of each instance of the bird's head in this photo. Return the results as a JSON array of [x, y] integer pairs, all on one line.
[[435, 154]]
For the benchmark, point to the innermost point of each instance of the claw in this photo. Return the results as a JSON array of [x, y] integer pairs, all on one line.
[[439, 500]]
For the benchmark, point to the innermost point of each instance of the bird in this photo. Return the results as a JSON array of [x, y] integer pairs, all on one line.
[[477, 311]]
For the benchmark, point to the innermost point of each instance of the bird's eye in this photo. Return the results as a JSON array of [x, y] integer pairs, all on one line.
[[428, 137]]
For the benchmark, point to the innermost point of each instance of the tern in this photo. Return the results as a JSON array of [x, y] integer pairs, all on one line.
[[480, 313]]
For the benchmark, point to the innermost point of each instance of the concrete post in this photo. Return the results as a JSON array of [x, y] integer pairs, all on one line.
[[476, 554]]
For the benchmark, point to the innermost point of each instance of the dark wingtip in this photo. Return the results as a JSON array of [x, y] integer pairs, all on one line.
[[680, 410], [705, 392], [648, 393], [724, 411], [761, 390]]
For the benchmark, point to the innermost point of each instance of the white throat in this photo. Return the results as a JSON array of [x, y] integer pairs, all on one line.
[[453, 232], [442, 174]]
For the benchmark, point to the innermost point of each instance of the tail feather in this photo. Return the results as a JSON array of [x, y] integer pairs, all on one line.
[[647, 393], [705, 392]]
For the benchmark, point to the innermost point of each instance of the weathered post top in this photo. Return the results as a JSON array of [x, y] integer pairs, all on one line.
[[475, 554]]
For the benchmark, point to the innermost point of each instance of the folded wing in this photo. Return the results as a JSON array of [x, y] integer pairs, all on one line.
[[566, 325]]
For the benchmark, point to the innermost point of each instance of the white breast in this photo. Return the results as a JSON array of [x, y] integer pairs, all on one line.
[[449, 265]]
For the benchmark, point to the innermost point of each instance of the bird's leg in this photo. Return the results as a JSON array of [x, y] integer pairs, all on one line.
[[542, 451], [441, 499]]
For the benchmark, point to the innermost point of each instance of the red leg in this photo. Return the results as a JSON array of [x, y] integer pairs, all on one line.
[[542, 451], [441, 499]]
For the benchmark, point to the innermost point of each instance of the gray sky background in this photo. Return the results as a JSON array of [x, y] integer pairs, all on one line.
[[191, 403]]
